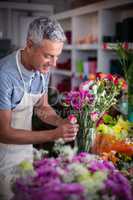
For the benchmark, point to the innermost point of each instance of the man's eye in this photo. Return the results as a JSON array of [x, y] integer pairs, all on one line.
[[47, 56]]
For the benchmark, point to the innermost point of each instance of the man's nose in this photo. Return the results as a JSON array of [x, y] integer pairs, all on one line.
[[53, 61]]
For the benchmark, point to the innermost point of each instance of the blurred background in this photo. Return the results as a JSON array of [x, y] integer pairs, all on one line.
[[92, 28]]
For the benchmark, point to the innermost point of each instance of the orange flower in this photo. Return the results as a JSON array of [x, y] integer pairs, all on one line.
[[110, 156], [124, 84], [107, 143]]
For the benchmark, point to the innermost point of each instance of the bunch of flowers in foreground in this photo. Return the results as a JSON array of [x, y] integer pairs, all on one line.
[[89, 104], [70, 176]]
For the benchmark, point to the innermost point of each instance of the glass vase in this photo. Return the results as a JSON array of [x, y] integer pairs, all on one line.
[[85, 139]]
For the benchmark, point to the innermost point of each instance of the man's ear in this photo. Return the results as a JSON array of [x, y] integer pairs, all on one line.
[[29, 44]]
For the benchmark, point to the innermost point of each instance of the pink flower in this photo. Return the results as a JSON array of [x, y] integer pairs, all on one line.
[[72, 119], [94, 116]]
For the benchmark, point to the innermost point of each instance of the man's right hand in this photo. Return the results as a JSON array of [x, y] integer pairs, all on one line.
[[10, 135], [67, 131]]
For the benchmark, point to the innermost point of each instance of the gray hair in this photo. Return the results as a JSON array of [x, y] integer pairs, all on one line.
[[45, 28]]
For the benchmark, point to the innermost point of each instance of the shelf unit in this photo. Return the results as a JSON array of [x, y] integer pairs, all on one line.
[[13, 15], [97, 19]]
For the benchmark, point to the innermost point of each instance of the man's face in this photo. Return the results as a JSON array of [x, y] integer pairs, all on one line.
[[45, 56]]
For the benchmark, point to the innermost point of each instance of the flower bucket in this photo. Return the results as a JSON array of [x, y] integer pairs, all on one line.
[[106, 143]]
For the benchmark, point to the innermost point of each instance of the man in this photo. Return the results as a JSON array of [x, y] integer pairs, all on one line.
[[24, 77]]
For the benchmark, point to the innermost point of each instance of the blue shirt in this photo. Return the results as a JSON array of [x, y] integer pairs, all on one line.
[[11, 84]]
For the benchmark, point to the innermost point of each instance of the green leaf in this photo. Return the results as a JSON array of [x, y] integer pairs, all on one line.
[[126, 59], [107, 119]]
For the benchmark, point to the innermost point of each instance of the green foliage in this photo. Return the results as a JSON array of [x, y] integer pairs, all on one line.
[[108, 119], [124, 162], [126, 59]]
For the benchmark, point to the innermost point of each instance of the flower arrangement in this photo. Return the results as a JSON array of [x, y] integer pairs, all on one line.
[[114, 143], [122, 161], [118, 126], [89, 104], [114, 134], [70, 176]]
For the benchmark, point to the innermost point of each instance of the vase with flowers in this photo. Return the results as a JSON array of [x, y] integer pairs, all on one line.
[[89, 104]]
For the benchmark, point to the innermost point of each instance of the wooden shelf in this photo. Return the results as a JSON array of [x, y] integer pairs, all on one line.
[[86, 46], [67, 47], [62, 72], [113, 46]]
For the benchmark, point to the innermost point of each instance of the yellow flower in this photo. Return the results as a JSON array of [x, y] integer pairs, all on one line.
[[102, 128], [105, 129], [26, 165], [121, 126], [117, 128], [123, 123]]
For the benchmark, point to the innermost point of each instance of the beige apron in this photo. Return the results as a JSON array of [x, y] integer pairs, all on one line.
[[10, 154]]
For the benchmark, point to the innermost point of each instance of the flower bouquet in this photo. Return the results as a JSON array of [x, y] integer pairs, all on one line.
[[89, 104], [71, 177], [114, 142], [114, 134]]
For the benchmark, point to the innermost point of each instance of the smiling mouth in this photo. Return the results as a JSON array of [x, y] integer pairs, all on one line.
[[45, 69]]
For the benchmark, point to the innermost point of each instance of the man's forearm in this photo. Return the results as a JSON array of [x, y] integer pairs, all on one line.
[[48, 115], [16, 136]]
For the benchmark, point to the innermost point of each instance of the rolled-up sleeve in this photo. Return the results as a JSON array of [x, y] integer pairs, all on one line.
[[5, 91]]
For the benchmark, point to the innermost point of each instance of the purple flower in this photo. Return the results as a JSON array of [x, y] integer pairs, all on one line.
[[118, 185], [77, 99], [80, 157], [101, 165], [48, 183]]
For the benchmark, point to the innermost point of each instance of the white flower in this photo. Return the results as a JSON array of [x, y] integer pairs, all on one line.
[[94, 88], [66, 152]]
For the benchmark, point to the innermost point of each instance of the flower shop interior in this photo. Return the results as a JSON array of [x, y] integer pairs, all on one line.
[[91, 87]]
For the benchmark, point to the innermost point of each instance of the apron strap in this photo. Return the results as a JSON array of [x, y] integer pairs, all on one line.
[[18, 66]]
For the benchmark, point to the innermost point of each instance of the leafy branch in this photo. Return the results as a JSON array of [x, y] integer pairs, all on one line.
[[125, 57]]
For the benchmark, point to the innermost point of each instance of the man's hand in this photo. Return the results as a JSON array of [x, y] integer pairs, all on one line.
[[67, 131], [62, 121]]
